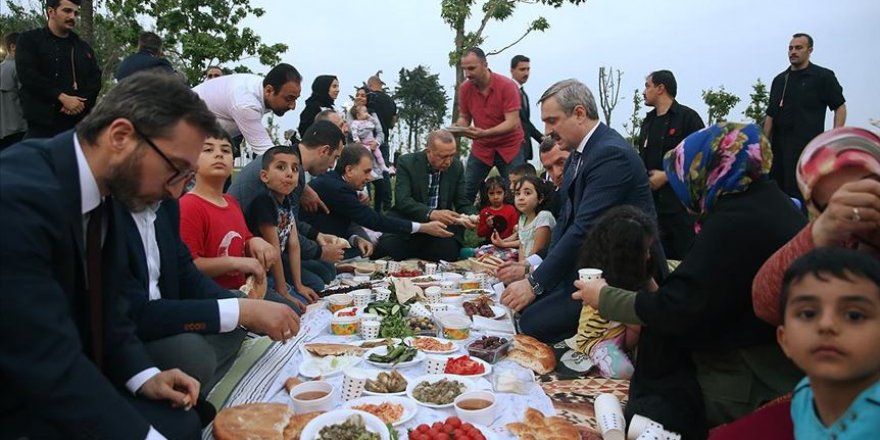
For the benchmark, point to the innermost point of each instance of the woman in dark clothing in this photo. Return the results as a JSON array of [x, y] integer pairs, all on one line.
[[325, 89], [704, 357]]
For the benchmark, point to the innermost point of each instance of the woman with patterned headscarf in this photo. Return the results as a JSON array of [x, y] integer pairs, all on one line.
[[838, 175], [704, 357]]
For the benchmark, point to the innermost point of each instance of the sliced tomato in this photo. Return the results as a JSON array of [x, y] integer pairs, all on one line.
[[464, 366]]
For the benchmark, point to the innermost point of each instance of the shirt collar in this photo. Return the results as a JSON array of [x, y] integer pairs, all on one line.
[[88, 186], [583, 144]]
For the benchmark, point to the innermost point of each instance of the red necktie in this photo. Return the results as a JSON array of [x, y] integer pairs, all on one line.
[[96, 291]]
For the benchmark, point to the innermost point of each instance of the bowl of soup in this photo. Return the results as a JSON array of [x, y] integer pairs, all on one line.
[[476, 407], [312, 396]]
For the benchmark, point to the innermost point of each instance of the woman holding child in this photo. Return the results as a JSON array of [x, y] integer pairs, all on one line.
[[704, 357]]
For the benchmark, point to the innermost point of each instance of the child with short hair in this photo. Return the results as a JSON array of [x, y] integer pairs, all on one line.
[[535, 224], [620, 245], [212, 224], [271, 216], [518, 172], [830, 305]]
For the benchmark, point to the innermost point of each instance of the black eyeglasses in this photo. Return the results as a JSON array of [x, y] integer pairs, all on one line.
[[179, 175]]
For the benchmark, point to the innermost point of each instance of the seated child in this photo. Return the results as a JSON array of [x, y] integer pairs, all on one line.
[[271, 217], [497, 214], [535, 223], [830, 305], [212, 224], [619, 241]]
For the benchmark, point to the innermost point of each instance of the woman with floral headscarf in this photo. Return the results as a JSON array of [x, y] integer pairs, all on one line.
[[325, 89], [838, 175], [704, 358]]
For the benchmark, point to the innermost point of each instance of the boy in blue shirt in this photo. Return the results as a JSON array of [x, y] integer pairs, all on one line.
[[830, 328]]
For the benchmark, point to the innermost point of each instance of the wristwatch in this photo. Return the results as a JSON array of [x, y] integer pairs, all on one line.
[[537, 288]]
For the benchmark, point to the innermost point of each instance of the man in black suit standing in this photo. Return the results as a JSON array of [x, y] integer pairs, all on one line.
[[520, 66], [72, 365], [149, 56], [603, 171]]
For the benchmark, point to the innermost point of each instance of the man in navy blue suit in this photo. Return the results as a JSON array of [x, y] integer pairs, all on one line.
[[603, 171], [71, 364]]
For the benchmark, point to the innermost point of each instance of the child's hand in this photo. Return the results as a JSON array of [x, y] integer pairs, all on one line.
[[252, 266], [263, 251], [307, 292], [497, 240]]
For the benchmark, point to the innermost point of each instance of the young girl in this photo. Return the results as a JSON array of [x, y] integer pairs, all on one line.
[[617, 243], [534, 224], [362, 128], [497, 215]]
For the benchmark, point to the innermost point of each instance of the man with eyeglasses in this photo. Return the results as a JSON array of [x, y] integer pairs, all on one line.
[[72, 363], [430, 187]]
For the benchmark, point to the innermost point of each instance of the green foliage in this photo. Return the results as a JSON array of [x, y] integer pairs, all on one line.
[[720, 103], [757, 108], [633, 128], [422, 103], [19, 18]]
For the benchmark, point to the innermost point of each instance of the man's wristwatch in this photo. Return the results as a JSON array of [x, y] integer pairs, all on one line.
[[537, 288]]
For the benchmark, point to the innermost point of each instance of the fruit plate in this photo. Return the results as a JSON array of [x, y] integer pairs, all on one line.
[[434, 378], [409, 406], [372, 423], [455, 347], [382, 351]]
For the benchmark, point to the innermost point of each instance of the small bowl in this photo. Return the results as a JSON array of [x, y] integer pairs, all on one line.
[[469, 284], [324, 403], [483, 416], [344, 325], [339, 301], [454, 326]]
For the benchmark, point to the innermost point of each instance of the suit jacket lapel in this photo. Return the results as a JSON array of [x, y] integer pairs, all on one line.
[[65, 164], [421, 176]]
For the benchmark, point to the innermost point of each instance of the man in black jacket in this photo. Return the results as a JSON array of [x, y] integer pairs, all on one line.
[[519, 71], [60, 77], [383, 105], [149, 56], [662, 130]]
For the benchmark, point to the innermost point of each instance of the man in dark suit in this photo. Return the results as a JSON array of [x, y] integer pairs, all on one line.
[[430, 187], [338, 189], [148, 57], [185, 319], [553, 159], [520, 66], [602, 171], [72, 365]]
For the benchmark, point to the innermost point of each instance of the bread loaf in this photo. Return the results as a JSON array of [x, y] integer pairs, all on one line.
[[265, 421], [532, 354], [254, 289], [537, 427]]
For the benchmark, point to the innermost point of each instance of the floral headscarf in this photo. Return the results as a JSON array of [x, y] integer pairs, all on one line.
[[835, 149], [719, 159]]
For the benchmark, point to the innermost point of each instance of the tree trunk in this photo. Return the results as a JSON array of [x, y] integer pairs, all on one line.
[[87, 21], [459, 73]]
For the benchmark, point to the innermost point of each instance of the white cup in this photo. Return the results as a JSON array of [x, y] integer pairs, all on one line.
[[382, 294], [361, 298], [609, 416], [324, 403], [353, 382], [393, 266], [370, 329], [436, 308], [381, 265], [369, 317], [640, 424], [435, 364], [589, 274], [434, 294], [430, 268], [484, 416]]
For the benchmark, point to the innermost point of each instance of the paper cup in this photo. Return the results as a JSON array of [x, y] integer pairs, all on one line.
[[435, 364], [324, 403], [430, 268], [589, 274], [434, 294], [361, 297], [370, 329], [353, 382], [435, 308], [639, 424], [381, 265], [393, 266], [419, 310], [609, 415], [382, 294], [365, 317]]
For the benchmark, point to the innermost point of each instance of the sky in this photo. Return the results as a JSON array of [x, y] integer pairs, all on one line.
[[705, 43]]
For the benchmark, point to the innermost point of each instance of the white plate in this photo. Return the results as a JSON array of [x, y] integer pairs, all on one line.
[[433, 378], [322, 367], [372, 423], [454, 348], [449, 276], [500, 311], [409, 407], [487, 367], [374, 375], [384, 350], [360, 343]]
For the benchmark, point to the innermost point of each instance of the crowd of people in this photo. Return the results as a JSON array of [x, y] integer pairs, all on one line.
[[126, 237]]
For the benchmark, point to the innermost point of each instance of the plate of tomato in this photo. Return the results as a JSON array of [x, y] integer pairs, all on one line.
[[465, 365], [450, 429]]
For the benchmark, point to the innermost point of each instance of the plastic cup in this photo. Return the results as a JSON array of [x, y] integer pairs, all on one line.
[[353, 382], [370, 329], [324, 403], [361, 297], [589, 274], [640, 424], [430, 268], [434, 294], [393, 266], [435, 364], [382, 294], [609, 415], [339, 301]]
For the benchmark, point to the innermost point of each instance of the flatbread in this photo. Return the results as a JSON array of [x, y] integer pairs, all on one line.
[[297, 423], [322, 350], [254, 289], [252, 421]]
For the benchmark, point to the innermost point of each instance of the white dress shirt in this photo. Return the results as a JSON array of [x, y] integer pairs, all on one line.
[[237, 102]]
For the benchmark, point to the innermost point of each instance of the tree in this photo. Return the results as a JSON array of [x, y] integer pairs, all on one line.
[[720, 103], [757, 109], [456, 12], [609, 91], [634, 126], [422, 103]]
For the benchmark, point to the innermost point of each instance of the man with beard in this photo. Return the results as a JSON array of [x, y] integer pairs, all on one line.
[[60, 77], [72, 363]]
